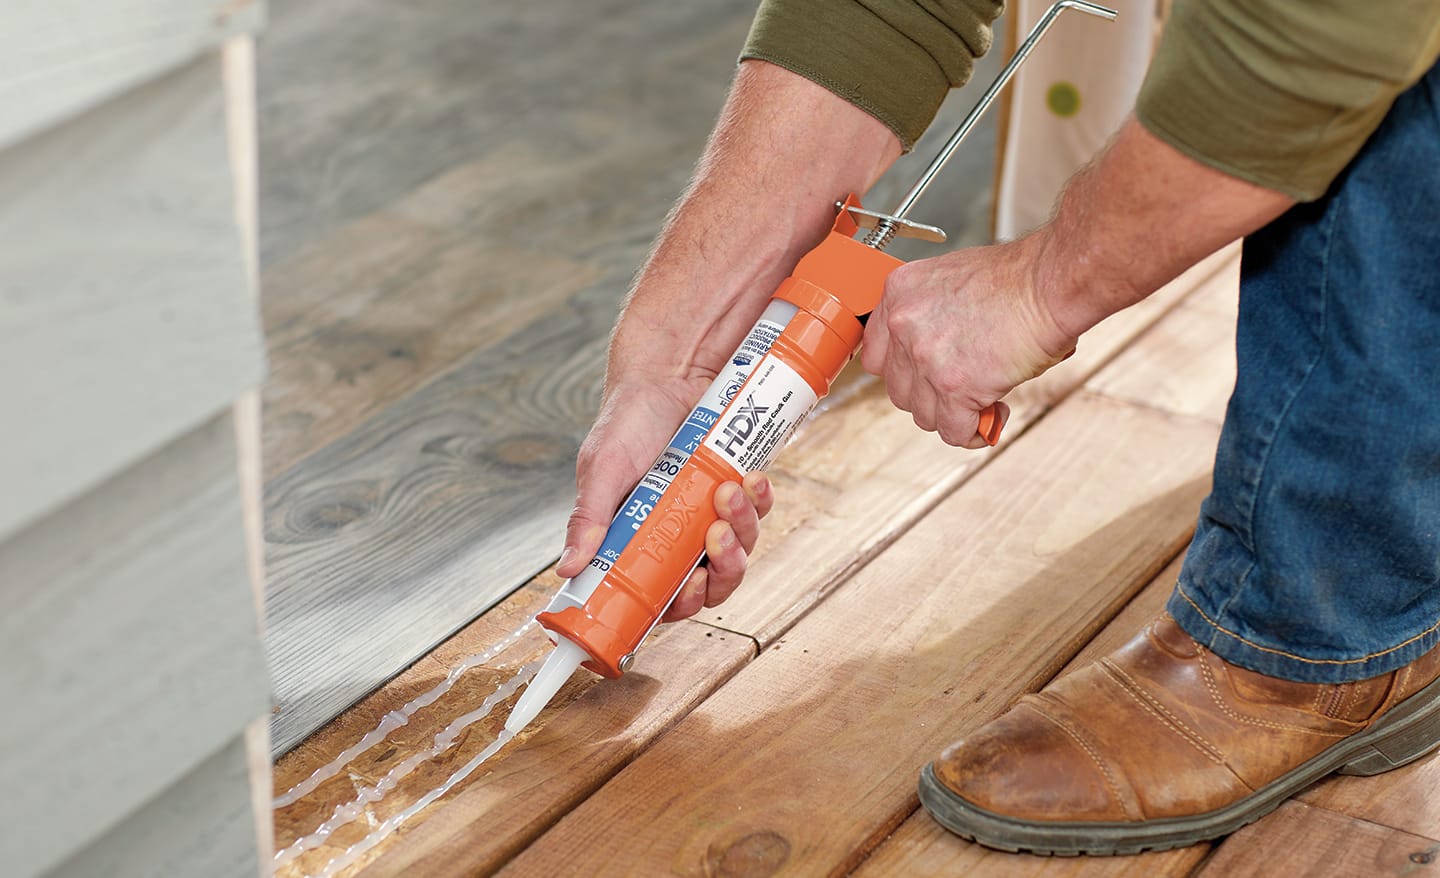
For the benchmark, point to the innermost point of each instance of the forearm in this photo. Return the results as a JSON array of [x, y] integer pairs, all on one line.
[[1132, 221], [763, 193]]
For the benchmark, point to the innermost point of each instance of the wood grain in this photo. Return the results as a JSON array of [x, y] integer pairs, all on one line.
[[428, 222], [153, 331], [569, 755], [60, 58], [1190, 366], [807, 758], [132, 639], [1298, 839], [393, 537], [202, 825], [504, 227]]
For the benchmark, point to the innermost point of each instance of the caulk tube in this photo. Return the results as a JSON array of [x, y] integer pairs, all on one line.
[[816, 344], [642, 500], [569, 655]]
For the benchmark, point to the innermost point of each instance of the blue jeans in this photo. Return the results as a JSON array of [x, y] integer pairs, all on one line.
[[1317, 554]]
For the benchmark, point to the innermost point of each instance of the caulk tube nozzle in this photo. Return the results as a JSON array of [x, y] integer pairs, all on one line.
[[552, 675]]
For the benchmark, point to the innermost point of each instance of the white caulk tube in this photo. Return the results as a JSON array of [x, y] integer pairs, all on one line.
[[576, 591]]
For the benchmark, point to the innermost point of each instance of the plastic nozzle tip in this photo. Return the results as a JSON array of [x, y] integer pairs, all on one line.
[[567, 656]]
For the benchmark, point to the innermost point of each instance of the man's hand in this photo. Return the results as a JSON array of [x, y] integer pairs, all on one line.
[[762, 196], [955, 333], [619, 449]]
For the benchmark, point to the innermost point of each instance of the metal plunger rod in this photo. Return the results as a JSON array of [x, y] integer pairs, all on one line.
[[988, 98]]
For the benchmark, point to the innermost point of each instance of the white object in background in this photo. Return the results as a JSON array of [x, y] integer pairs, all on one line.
[[1066, 103]]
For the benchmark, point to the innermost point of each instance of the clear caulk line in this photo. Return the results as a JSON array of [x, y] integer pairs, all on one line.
[[357, 850], [397, 718], [444, 739]]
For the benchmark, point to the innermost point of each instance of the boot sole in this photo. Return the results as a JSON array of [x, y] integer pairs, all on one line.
[[1405, 733]]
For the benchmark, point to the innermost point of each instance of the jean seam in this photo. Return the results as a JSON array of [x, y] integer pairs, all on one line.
[[1221, 629], [1268, 443]]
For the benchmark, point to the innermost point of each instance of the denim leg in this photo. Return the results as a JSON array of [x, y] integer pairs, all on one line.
[[1317, 554]]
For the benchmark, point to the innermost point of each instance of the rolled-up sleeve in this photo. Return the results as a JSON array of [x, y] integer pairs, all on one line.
[[1283, 93], [895, 59]]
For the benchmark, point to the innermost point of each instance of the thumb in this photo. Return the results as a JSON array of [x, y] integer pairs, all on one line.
[[600, 484]]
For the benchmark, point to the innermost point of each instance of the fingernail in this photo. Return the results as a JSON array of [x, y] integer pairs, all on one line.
[[762, 486], [737, 500], [727, 539], [566, 556]]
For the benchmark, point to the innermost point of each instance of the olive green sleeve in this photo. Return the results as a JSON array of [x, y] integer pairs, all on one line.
[[895, 59], [1283, 93]]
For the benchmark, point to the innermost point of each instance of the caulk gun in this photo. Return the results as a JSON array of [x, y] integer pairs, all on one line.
[[810, 330]]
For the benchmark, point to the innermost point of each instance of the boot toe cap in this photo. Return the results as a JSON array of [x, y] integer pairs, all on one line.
[[1031, 765]]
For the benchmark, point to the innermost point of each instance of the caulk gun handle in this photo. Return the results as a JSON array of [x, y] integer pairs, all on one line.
[[990, 424]]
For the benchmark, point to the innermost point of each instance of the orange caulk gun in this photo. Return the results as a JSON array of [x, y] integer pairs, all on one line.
[[811, 329]]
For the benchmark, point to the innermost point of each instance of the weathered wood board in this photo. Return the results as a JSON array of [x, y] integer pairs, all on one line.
[[61, 57], [131, 618], [201, 826], [127, 318]]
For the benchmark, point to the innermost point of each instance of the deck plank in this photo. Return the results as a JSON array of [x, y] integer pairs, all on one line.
[[808, 756], [1300, 839], [1189, 368], [1407, 799]]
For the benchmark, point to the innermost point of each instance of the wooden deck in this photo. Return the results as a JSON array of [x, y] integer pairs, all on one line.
[[434, 363], [903, 594]]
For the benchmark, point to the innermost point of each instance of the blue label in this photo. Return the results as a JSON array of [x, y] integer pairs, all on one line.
[[693, 430], [642, 500], [637, 508]]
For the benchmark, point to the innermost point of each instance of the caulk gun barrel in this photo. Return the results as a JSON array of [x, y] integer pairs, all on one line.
[[991, 93]]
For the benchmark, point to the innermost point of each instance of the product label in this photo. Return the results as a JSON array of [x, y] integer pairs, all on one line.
[[722, 390], [764, 414]]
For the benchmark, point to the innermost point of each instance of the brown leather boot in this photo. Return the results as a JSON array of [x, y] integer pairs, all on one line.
[[1164, 744]]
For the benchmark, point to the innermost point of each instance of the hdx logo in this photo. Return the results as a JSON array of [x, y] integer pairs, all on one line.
[[740, 425]]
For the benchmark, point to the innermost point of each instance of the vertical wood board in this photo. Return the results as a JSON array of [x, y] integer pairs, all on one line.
[[130, 643], [126, 315]]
